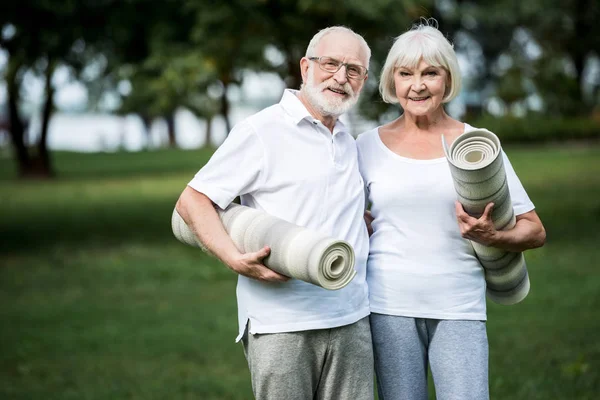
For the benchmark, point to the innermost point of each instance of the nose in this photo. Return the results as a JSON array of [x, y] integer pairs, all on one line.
[[418, 83], [340, 76]]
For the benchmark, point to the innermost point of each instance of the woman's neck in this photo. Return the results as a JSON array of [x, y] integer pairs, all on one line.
[[426, 123]]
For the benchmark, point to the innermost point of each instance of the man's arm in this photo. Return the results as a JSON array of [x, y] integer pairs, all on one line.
[[199, 213]]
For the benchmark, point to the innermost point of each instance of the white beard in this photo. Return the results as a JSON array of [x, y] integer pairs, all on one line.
[[333, 107]]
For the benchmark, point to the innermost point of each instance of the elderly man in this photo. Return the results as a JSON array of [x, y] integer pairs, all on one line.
[[295, 160]]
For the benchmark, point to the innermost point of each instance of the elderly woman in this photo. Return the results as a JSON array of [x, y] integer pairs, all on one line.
[[427, 288]]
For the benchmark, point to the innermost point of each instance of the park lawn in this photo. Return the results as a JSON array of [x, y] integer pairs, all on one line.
[[99, 301]]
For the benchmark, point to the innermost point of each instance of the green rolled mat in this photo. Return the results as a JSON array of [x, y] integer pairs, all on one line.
[[477, 168], [296, 252]]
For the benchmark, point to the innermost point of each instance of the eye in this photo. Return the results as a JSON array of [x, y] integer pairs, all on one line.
[[431, 73], [403, 74], [353, 70], [332, 63]]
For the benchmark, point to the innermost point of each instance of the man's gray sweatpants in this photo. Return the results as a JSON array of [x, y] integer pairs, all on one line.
[[456, 350], [324, 364]]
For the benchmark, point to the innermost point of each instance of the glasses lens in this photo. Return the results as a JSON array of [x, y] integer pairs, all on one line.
[[329, 64], [332, 65], [353, 71]]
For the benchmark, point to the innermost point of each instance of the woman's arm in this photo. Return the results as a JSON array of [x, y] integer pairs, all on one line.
[[528, 232]]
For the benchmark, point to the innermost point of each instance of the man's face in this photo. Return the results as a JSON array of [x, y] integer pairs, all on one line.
[[333, 94]]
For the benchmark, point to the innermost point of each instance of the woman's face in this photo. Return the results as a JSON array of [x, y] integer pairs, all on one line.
[[420, 90]]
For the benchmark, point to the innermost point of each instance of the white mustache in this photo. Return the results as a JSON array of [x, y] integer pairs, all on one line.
[[332, 85]]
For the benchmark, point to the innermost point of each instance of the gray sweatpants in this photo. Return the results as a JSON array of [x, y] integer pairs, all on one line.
[[456, 350], [334, 363]]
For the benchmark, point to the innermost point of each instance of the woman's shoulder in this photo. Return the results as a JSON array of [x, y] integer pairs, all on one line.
[[454, 129], [367, 136], [469, 128]]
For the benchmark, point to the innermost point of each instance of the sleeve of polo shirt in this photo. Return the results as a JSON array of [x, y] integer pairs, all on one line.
[[518, 195], [236, 167]]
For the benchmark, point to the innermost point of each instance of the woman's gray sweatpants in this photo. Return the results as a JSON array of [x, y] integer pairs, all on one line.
[[327, 364], [456, 350]]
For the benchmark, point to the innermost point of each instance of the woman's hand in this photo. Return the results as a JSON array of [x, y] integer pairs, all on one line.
[[369, 220], [480, 230], [528, 232]]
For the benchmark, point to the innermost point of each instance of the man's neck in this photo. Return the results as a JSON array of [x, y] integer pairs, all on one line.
[[327, 120]]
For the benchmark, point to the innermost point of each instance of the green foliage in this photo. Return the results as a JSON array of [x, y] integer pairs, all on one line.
[[167, 81], [172, 55], [540, 129], [511, 88], [560, 91], [551, 43], [174, 73], [99, 301]]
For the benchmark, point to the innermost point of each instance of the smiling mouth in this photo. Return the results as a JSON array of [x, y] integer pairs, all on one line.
[[418, 98], [337, 91]]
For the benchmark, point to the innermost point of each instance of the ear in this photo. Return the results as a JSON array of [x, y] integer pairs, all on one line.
[[304, 64]]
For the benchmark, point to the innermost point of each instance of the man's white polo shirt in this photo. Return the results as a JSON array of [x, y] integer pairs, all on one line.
[[284, 162]]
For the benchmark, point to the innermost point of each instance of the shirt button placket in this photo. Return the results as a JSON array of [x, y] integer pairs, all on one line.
[[330, 139], [333, 152]]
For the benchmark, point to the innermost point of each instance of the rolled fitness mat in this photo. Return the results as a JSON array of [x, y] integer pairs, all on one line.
[[296, 252], [477, 168]]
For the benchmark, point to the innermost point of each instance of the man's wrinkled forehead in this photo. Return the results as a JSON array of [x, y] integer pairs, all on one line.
[[342, 45]]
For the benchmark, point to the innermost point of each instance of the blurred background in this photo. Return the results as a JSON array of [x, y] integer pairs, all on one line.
[[108, 108]]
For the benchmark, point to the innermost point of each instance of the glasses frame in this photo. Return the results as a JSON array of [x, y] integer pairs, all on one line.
[[341, 64]]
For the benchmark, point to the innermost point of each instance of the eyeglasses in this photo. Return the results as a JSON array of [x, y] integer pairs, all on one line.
[[328, 64]]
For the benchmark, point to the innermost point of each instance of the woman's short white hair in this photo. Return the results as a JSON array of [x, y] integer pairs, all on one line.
[[422, 41], [314, 42]]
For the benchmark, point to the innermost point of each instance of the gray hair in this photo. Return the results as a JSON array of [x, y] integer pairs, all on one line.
[[314, 42], [422, 41]]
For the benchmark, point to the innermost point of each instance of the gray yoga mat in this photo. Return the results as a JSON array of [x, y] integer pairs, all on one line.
[[296, 252], [477, 168]]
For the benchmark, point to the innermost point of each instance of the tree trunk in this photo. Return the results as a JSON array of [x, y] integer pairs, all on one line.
[[577, 49], [147, 122], [29, 166], [170, 118], [208, 132], [16, 129], [225, 109], [43, 156], [294, 78]]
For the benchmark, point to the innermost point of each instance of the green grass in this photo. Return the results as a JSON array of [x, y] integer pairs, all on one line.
[[99, 301]]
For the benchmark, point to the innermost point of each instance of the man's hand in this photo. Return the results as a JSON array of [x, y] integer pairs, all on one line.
[[480, 230], [369, 220], [250, 265]]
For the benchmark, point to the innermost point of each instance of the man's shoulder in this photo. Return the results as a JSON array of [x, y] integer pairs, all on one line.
[[266, 115], [268, 121]]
